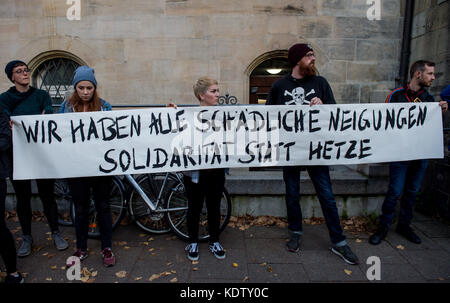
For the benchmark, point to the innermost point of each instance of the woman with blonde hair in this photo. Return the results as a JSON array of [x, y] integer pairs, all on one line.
[[204, 186]]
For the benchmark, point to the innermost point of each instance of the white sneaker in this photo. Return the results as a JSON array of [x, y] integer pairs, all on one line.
[[217, 250], [192, 250]]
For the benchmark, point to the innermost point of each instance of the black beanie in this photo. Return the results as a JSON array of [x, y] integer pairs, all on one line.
[[9, 67], [297, 52]]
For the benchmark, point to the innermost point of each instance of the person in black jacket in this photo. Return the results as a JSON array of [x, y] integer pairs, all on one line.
[[7, 245], [304, 87], [405, 177], [22, 99]]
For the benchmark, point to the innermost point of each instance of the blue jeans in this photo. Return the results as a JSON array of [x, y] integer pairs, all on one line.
[[320, 177], [404, 178]]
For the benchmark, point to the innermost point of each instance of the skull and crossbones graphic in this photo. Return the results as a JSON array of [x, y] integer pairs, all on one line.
[[298, 96]]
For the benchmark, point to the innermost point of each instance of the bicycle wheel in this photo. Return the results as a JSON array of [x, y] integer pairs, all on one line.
[[176, 212], [63, 201], [117, 206], [140, 212]]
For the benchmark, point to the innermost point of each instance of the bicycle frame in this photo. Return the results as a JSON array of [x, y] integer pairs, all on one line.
[[146, 199]]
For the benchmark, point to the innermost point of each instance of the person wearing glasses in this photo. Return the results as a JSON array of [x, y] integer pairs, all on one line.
[[303, 87], [23, 99]]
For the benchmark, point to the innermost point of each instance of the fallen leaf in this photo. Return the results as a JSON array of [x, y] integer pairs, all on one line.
[[194, 262], [48, 233], [169, 263], [49, 239], [195, 268], [348, 272], [85, 271], [145, 243], [126, 247], [358, 241], [91, 280], [121, 274], [441, 279], [137, 278], [142, 235], [269, 268], [173, 271], [122, 243], [150, 239], [53, 267], [45, 254], [153, 254], [401, 247], [264, 264], [51, 255], [174, 280], [235, 265], [48, 279], [151, 249], [84, 279], [154, 276], [94, 274], [245, 279]]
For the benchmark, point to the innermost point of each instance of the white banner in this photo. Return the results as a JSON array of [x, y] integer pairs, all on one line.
[[190, 138]]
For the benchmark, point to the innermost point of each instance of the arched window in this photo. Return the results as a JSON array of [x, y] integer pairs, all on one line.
[[267, 69], [53, 72]]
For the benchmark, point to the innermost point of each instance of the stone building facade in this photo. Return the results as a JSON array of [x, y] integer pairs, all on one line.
[[152, 51], [430, 39]]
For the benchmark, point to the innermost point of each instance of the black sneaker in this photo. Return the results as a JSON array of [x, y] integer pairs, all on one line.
[[379, 235], [217, 250], [407, 232], [293, 245], [192, 251], [345, 253], [14, 278]]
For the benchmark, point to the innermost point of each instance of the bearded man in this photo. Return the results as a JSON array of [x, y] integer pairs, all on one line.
[[405, 177], [303, 86]]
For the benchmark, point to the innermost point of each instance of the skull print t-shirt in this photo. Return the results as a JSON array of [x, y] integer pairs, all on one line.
[[290, 90]]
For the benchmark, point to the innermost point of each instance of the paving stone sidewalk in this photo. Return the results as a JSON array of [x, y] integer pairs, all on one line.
[[255, 255]]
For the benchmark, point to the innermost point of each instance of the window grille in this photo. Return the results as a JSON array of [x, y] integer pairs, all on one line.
[[55, 76]]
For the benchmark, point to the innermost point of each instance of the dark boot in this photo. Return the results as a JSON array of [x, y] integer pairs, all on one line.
[[407, 232], [379, 235]]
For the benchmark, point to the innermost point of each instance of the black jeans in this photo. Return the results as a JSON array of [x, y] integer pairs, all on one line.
[[209, 189], [80, 189], [45, 187], [7, 245]]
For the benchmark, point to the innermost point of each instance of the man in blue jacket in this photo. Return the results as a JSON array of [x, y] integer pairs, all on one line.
[[405, 177]]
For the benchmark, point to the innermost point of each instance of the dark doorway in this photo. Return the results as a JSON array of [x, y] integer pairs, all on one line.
[[261, 80], [264, 75]]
